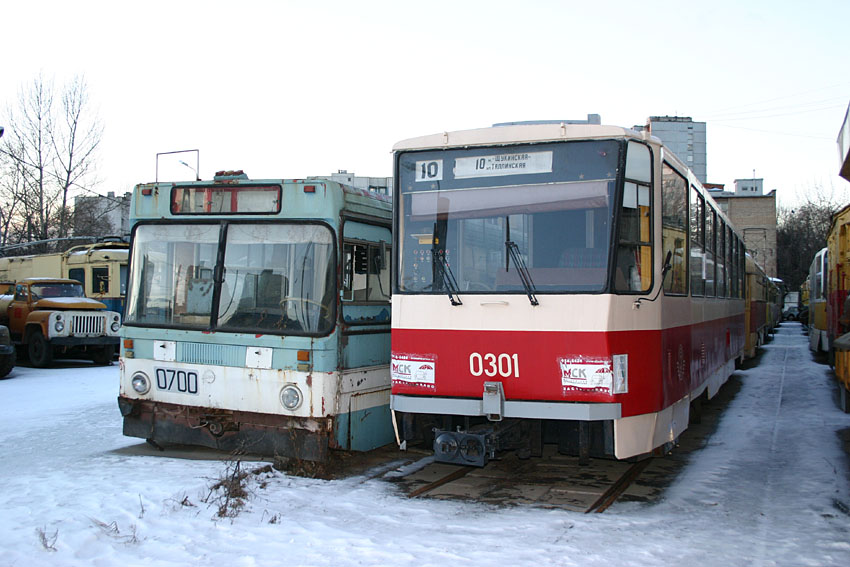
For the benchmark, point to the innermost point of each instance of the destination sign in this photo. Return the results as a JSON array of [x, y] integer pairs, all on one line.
[[503, 164]]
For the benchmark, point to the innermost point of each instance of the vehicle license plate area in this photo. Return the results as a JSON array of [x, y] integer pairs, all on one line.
[[176, 380]]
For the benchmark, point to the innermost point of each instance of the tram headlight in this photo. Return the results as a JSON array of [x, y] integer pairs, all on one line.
[[290, 397], [140, 383]]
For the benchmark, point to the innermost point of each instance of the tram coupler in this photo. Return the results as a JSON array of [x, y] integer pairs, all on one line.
[[464, 448], [477, 445]]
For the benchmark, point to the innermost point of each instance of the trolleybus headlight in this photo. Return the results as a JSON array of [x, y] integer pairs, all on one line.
[[141, 384], [290, 397]]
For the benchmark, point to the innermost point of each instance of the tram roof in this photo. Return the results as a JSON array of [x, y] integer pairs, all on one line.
[[520, 133]]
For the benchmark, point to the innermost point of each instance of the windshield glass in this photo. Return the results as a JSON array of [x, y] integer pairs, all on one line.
[[279, 278], [276, 278], [463, 211], [40, 291]]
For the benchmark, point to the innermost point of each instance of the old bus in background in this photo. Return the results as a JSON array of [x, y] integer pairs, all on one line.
[[100, 267]]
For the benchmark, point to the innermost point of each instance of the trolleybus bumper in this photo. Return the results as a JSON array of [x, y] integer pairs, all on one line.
[[230, 431]]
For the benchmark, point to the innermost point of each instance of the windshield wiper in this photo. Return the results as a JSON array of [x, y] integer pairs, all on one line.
[[447, 277], [513, 252]]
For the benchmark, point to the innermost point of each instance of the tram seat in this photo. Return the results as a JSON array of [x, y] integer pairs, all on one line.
[[583, 258], [555, 278]]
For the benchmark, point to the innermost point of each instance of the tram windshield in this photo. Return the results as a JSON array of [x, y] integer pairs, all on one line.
[[274, 278], [481, 220]]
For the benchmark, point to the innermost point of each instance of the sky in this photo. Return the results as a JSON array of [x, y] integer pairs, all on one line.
[[769, 488], [285, 89]]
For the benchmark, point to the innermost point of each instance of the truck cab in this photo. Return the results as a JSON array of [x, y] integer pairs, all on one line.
[[51, 316]]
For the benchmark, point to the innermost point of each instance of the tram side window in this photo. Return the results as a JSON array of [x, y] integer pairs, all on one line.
[[633, 271], [730, 262], [697, 259], [710, 233], [366, 272], [721, 258], [674, 229], [742, 268]]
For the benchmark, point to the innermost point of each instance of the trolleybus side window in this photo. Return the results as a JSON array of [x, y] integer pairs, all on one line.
[[674, 229], [366, 272], [697, 259], [633, 271]]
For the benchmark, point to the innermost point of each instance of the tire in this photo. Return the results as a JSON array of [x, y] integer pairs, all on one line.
[[7, 363], [103, 356], [39, 350]]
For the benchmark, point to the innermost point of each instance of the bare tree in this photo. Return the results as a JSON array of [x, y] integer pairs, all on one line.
[[48, 151], [801, 232]]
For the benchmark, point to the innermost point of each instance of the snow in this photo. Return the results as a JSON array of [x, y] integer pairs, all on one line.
[[768, 489]]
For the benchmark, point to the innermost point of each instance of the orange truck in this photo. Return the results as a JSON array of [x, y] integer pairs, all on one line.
[[7, 352], [52, 317]]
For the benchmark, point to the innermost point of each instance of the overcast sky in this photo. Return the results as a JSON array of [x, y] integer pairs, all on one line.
[[291, 89]]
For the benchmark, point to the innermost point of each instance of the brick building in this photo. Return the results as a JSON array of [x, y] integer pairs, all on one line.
[[753, 215]]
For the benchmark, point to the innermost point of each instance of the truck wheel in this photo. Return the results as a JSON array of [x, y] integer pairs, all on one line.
[[39, 350], [103, 356], [7, 363]]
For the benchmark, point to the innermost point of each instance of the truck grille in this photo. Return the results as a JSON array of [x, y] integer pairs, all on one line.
[[88, 325]]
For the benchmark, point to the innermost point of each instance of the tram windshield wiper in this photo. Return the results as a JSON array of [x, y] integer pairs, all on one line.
[[447, 277], [524, 275]]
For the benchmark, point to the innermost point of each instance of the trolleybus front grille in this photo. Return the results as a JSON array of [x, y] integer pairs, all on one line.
[[201, 353]]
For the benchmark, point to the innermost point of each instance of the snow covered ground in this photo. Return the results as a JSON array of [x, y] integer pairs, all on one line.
[[768, 489]]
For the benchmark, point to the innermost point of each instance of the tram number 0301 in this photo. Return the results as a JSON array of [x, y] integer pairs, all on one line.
[[171, 380], [489, 364]]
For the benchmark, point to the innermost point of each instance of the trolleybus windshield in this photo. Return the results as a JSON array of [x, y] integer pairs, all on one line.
[[266, 277], [465, 212]]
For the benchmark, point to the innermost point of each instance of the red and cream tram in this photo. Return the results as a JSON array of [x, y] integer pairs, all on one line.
[[557, 283]]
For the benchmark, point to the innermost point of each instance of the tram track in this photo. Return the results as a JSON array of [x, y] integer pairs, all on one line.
[[552, 482]]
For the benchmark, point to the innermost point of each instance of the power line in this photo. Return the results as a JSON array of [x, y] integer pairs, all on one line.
[[777, 133], [793, 95], [758, 117]]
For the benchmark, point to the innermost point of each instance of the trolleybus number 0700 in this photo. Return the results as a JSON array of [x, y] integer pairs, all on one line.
[[171, 380], [489, 364]]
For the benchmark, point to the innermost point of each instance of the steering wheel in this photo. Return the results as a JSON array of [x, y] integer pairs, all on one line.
[[324, 308]]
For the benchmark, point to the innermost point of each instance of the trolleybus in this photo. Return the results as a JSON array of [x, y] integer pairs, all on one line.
[[557, 283], [258, 316]]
